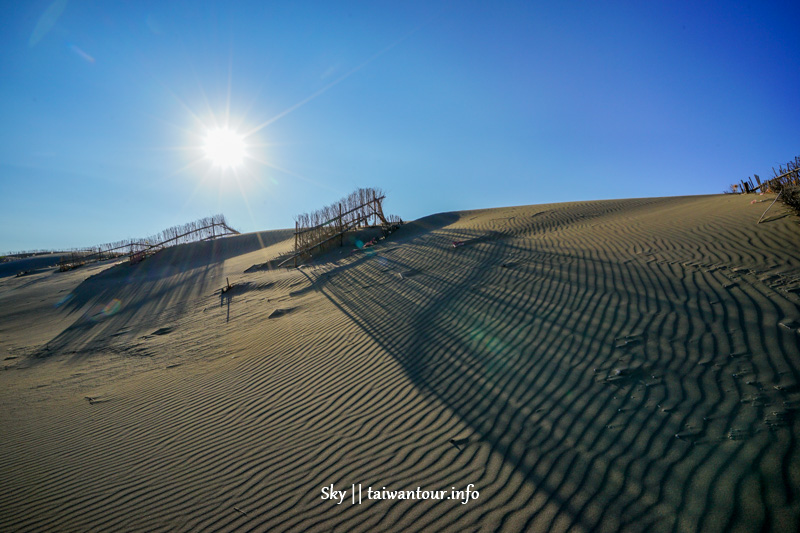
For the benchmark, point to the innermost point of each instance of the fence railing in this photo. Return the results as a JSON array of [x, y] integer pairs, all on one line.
[[318, 228], [790, 175], [137, 249]]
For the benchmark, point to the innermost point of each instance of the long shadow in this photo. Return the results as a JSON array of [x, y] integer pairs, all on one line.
[[33, 264], [119, 301], [547, 354], [465, 369], [227, 295]]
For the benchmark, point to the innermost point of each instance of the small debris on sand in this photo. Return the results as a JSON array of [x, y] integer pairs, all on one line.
[[278, 312], [790, 324]]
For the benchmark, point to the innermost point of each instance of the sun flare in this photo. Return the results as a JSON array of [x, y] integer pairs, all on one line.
[[225, 148]]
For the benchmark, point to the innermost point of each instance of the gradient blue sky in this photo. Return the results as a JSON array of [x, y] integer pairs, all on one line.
[[446, 105]]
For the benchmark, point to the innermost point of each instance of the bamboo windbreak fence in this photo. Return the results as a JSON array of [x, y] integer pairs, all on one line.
[[361, 208], [784, 177], [137, 249]]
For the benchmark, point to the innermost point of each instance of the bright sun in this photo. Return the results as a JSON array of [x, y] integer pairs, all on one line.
[[224, 148]]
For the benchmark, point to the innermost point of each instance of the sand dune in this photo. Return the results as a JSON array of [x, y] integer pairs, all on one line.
[[29, 265], [612, 365]]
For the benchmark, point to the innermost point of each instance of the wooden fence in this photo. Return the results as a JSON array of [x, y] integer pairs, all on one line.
[[790, 175], [326, 225], [137, 249]]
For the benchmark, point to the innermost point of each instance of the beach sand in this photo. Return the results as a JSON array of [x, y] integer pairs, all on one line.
[[592, 366]]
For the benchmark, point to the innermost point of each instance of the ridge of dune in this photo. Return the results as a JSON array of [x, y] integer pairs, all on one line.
[[608, 365]]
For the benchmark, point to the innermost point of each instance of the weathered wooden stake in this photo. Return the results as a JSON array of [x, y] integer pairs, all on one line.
[[770, 205], [340, 227]]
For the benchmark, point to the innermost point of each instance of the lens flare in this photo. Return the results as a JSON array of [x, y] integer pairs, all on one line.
[[112, 307], [64, 300]]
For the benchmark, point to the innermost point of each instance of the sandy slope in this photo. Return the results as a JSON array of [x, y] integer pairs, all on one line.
[[588, 366]]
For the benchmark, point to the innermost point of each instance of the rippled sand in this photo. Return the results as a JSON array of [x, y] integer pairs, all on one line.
[[611, 365]]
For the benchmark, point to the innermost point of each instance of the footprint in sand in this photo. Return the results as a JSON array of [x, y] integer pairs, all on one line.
[[94, 399], [280, 312], [458, 443], [791, 325]]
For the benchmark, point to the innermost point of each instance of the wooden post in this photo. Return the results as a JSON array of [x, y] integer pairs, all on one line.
[[340, 226], [770, 206]]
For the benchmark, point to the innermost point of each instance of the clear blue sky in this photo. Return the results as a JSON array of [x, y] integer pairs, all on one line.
[[446, 105]]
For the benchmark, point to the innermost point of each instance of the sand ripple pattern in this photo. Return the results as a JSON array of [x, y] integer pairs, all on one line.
[[600, 366]]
